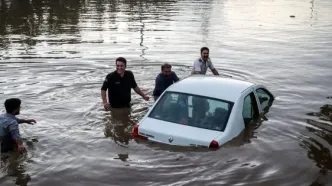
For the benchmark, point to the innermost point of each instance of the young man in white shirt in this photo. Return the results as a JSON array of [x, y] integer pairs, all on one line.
[[203, 63]]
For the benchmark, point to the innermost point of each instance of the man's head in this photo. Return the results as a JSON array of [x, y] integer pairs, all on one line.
[[205, 53], [166, 69], [121, 64], [13, 106]]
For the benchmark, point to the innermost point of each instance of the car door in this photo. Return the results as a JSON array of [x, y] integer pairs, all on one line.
[[250, 111], [265, 98]]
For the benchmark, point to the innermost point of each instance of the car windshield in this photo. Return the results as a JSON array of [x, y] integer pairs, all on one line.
[[192, 110]]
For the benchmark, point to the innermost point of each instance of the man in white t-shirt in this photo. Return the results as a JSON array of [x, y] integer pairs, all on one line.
[[203, 63]]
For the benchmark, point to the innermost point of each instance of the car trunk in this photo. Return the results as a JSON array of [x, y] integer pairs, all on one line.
[[176, 134]]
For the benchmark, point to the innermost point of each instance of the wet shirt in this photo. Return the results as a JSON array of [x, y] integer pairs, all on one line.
[[202, 66], [162, 83], [9, 131], [119, 88]]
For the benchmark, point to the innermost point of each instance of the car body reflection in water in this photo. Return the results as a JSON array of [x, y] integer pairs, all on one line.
[[319, 144]]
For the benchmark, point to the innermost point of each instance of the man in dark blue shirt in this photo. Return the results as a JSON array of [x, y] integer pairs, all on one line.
[[164, 79], [9, 130]]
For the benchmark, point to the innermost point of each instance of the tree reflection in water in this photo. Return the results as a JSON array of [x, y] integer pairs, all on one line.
[[30, 19], [319, 145]]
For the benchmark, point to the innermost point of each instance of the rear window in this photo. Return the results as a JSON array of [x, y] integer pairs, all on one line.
[[193, 110]]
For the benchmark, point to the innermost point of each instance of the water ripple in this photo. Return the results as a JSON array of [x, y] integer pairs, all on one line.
[[55, 55]]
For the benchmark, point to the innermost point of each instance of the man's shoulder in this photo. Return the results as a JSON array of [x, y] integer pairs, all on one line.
[[8, 120], [209, 62], [111, 74], [129, 72], [160, 75], [173, 73], [2, 116], [198, 60]]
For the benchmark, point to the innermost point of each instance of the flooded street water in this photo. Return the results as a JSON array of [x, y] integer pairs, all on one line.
[[54, 56]]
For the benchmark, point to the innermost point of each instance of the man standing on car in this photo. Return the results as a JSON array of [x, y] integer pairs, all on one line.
[[9, 130], [203, 63], [119, 84], [164, 79]]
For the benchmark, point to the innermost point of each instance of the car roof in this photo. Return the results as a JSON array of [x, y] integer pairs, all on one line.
[[211, 86]]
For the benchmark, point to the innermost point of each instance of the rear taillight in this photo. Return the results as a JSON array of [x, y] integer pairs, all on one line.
[[136, 134], [135, 130], [214, 145]]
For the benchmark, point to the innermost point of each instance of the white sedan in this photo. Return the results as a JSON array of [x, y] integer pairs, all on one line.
[[203, 111]]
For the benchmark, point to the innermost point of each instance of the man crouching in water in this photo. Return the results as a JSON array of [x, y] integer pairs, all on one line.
[[9, 130]]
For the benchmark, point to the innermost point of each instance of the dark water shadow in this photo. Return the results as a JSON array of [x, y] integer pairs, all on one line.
[[118, 126], [13, 165], [318, 142]]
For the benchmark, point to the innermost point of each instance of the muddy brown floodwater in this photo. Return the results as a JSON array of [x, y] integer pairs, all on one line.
[[54, 55]]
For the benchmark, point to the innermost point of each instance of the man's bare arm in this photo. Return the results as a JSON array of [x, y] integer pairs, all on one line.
[[28, 121], [215, 72], [139, 91], [103, 96]]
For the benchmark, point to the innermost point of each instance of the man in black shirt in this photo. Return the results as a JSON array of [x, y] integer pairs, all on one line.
[[119, 84]]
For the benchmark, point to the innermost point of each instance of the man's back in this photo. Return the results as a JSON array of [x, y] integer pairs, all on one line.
[[8, 123], [5, 121]]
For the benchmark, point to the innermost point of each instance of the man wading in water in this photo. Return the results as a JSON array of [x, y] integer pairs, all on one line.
[[119, 84], [9, 130], [201, 64]]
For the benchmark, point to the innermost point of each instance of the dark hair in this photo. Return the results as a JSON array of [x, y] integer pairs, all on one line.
[[165, 65], [12, 104], [205, 48], [122, 59]]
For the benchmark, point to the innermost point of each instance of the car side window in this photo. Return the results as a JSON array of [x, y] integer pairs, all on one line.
[[250, 109], [264, 97]]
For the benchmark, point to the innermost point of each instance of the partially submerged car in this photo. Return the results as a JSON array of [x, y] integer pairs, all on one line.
[[203, 111]]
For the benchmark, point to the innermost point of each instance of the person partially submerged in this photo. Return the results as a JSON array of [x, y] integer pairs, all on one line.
[[118, 84], [201, 64], [164, 79], [9, 130]]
